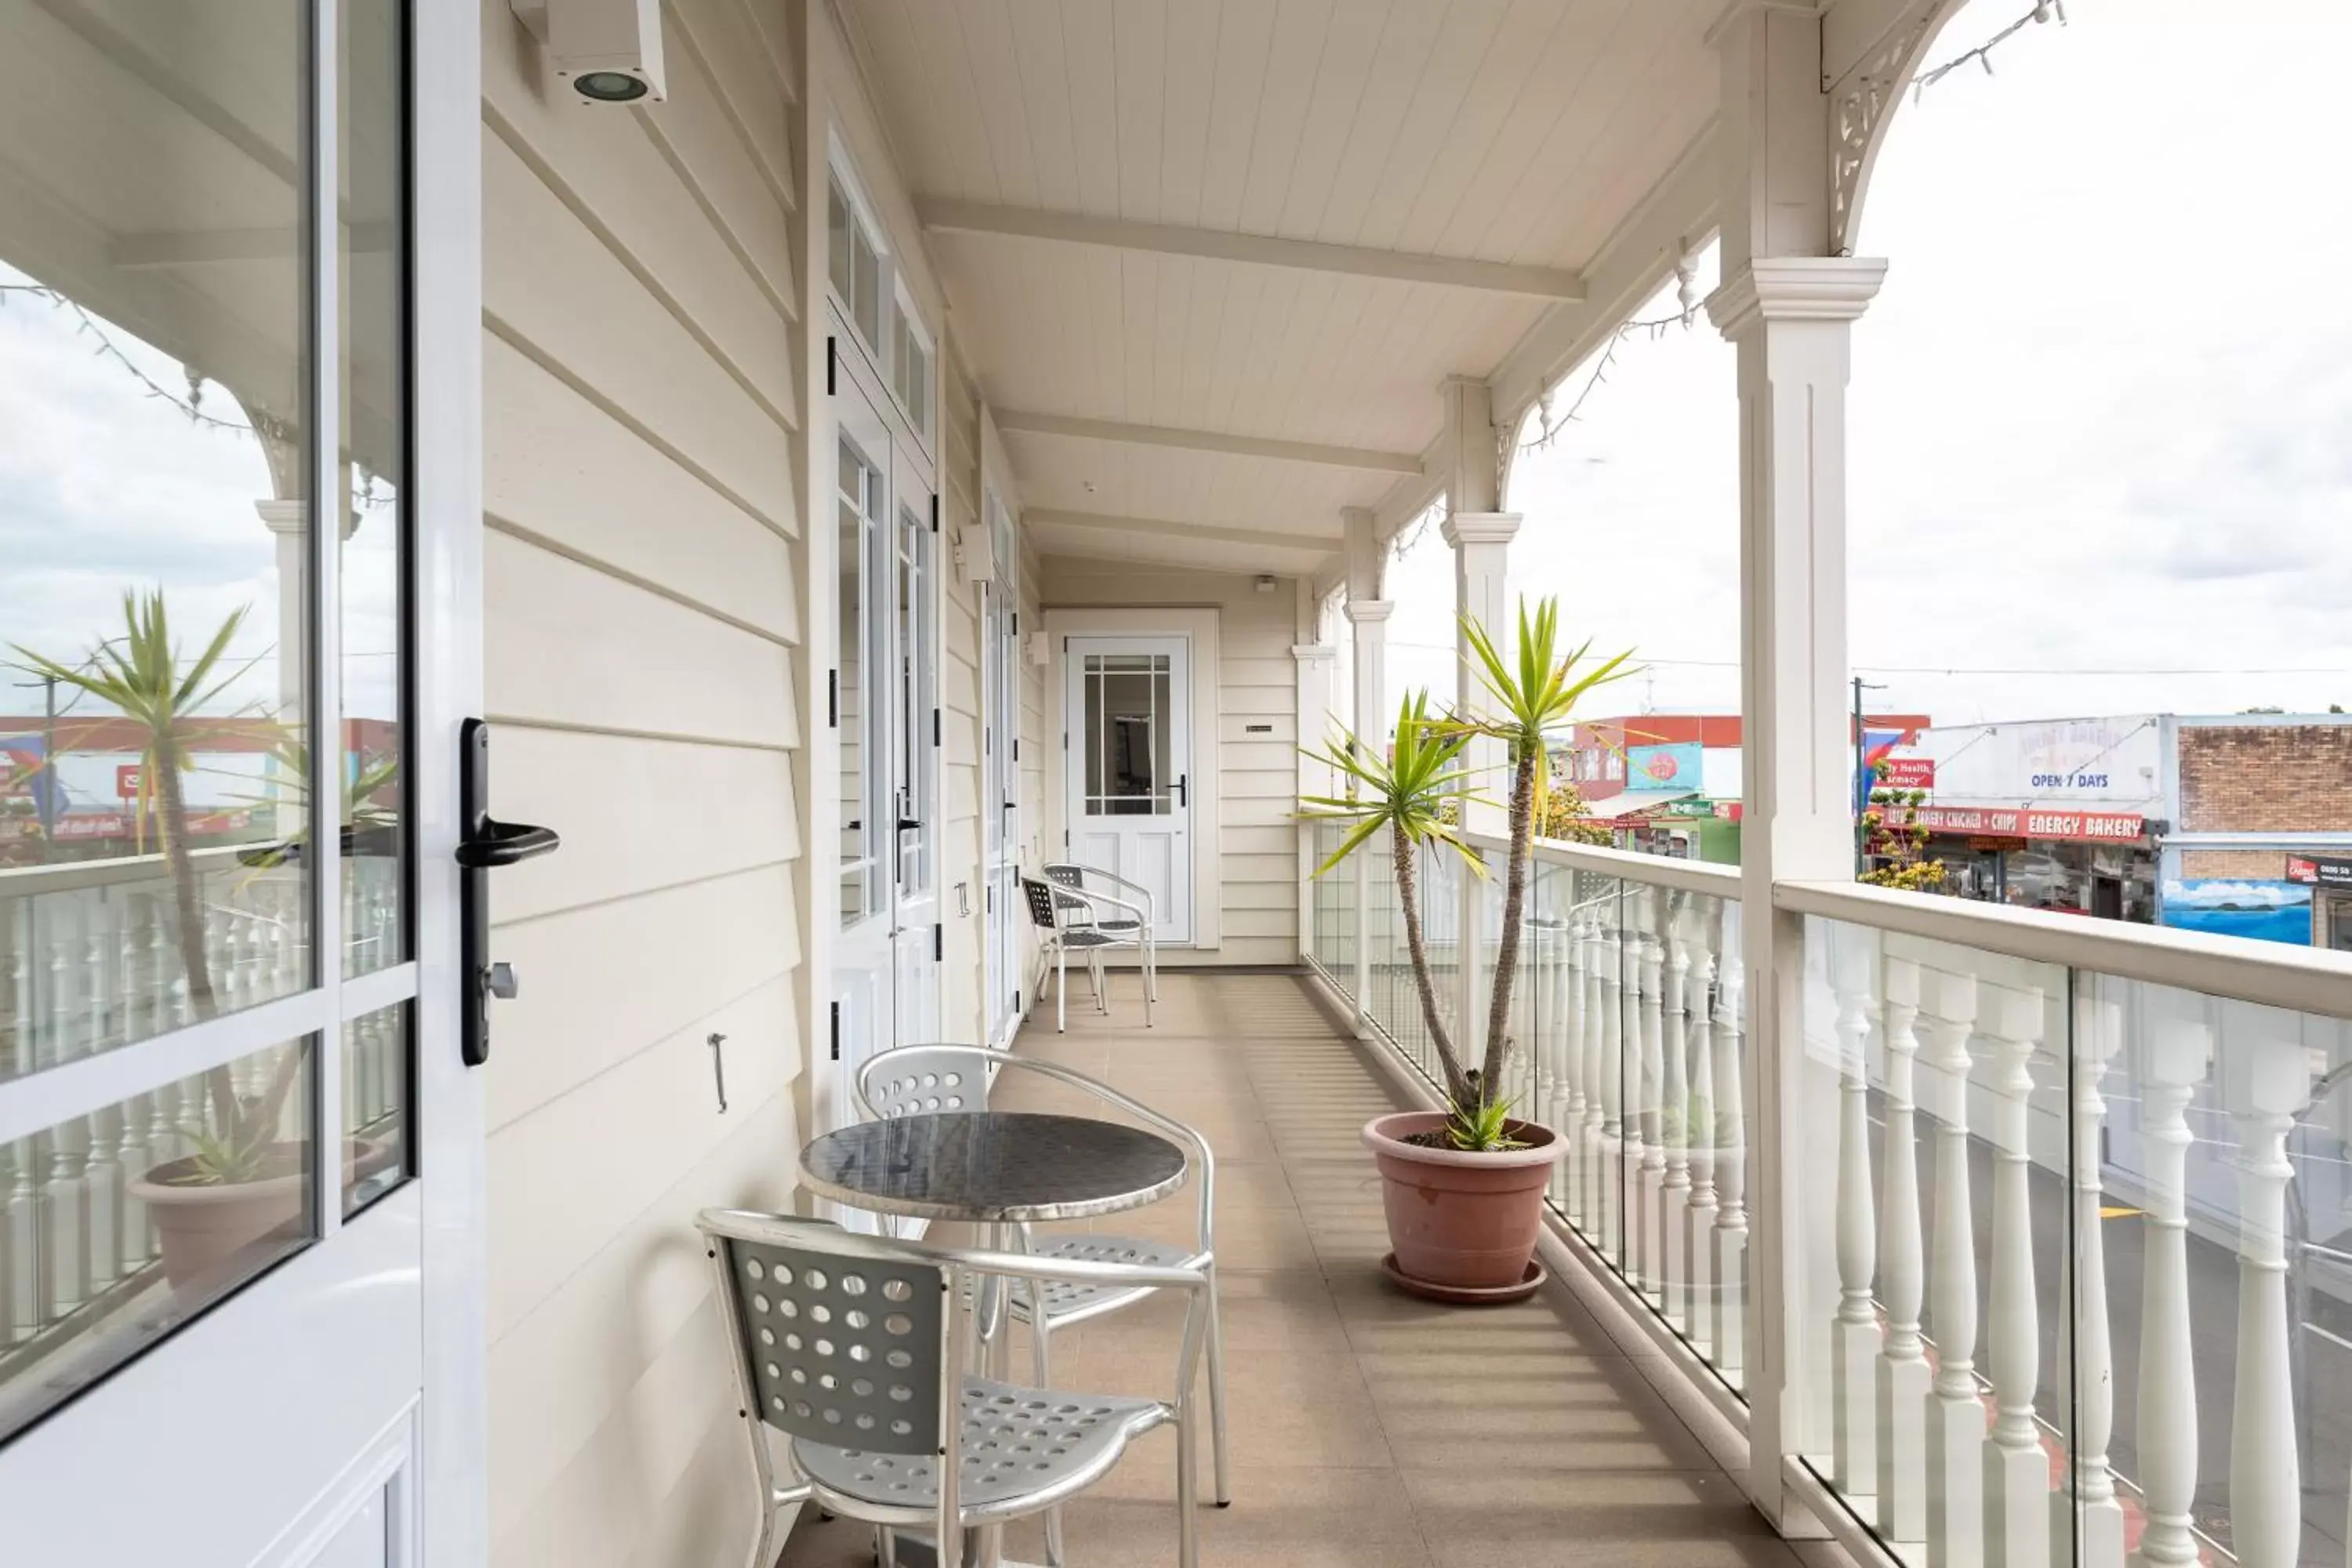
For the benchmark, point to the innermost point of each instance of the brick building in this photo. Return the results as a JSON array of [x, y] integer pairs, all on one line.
[[2258, 775]]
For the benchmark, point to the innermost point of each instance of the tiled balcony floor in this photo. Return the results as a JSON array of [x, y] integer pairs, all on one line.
[[1368, 1428]]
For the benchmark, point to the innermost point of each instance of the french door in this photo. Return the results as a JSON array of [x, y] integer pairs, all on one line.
[[886, 725], [1127, 769], [240, 1161]]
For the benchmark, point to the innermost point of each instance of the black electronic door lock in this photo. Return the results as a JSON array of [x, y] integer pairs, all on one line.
[[486, 844]]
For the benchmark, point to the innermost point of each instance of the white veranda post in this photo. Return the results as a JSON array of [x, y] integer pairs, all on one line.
[[1790, 309], [1480, 536], [1367, 621]]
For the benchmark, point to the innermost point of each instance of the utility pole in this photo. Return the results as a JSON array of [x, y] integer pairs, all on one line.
[[1861, 780]]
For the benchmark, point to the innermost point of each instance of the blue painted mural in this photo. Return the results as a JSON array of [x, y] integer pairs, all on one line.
[[2263, 910]]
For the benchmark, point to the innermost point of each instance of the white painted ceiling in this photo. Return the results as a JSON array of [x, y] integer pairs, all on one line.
[[1519, 133]]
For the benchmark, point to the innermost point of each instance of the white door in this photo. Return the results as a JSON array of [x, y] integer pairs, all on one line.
[[1000, 816], [1128, 767], [240, 1162], [886, 725]]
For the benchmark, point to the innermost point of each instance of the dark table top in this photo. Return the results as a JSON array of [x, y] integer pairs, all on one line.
[[993, 1166]]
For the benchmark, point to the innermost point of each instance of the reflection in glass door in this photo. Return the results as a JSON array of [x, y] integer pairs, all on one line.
[[208, 933]]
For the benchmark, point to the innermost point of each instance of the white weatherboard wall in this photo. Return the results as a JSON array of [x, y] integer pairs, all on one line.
[[642, 383], [1255, 863]]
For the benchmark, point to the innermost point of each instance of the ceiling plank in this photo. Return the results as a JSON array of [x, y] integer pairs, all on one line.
[[1269, 538], [944, 215], [1077, 430]]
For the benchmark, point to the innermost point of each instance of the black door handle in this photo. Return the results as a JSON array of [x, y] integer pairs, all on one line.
[[909, 824], [1181, 797], [488, 844]]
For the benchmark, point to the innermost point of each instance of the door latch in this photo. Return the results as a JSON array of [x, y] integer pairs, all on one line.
[[486, 845]]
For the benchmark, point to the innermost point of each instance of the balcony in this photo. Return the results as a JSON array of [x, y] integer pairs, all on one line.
[[1368, 1427]]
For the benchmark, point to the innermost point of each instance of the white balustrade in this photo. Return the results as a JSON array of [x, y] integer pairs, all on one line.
[[1730, 1335], [2017, 1469], [2087, 1517], [1904, 1382], [1956, 1422], [1694, 1255], [1854, 1339], [2267, 1083]]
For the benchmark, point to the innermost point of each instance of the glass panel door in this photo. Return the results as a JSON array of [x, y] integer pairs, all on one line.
[[209, 932], [1128, 708]]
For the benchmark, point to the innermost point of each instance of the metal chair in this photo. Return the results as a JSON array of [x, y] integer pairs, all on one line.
[[1138, 918], [1071, 922], [855, 1348], [913, 1079]]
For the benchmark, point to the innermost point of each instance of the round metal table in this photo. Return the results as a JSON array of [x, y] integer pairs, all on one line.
[[996, 1169], [992, 1167]]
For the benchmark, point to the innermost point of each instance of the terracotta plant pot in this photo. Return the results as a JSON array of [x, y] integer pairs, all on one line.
[[202, 1229], [1462, 1224]]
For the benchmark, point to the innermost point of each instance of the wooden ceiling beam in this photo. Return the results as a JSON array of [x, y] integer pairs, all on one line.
[[1077, 430], [1551, 283]]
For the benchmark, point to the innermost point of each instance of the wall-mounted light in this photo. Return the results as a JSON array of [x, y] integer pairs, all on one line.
[[1264, 584]]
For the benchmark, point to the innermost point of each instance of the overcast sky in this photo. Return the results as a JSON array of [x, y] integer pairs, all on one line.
[[104, 487], [2101, 418]]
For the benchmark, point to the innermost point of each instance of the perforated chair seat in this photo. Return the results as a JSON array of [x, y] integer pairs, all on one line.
[[1064, 1300], [1017, 1443]]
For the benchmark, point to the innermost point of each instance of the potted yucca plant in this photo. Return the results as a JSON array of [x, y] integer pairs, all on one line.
[[1465, 1186]]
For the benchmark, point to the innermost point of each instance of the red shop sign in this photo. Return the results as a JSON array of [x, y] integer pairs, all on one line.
[[1909, 773], [2082, 826]]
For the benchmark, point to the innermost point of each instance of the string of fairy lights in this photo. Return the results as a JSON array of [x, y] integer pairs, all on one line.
[[1686, 269]]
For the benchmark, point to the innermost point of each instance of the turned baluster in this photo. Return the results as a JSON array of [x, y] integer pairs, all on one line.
[[1731, 1156], [1904, 1377], [2017, 1470], [1609, 1174], [2086, 1518], [1645, 1157], [1672, 1199], [1955, 1424], [103, 1177], [1591, 1164], [1694, 1256], [1854, 1334], [1568, 1110], [65, 1197], [2268, 1080]]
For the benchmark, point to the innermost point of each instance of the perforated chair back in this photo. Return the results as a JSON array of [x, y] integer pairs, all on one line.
[[1041, 903], [910, 1080], [1068, 875], [843, 1339]]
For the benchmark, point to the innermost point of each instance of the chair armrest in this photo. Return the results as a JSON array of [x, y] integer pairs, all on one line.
[[1140, 912]]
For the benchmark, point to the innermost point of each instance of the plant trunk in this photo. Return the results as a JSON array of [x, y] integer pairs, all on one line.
[[174, 825], [1458, 1086], [1507, 945]]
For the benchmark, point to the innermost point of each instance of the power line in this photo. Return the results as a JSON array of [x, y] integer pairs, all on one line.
[[1970, 669]]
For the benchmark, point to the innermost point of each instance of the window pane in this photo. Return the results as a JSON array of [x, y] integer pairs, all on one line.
[[376, 1052], [865, 287], [156, 521], [374, 334], [837, 222], [118, 1227]]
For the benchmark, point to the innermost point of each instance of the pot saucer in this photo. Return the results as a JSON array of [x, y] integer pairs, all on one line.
[[1526, 1286]]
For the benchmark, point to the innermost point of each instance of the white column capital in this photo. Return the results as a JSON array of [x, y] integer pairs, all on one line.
[[1480, 528], [1795, 289], [284, 516], [1370, 611], [1312, 652]]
